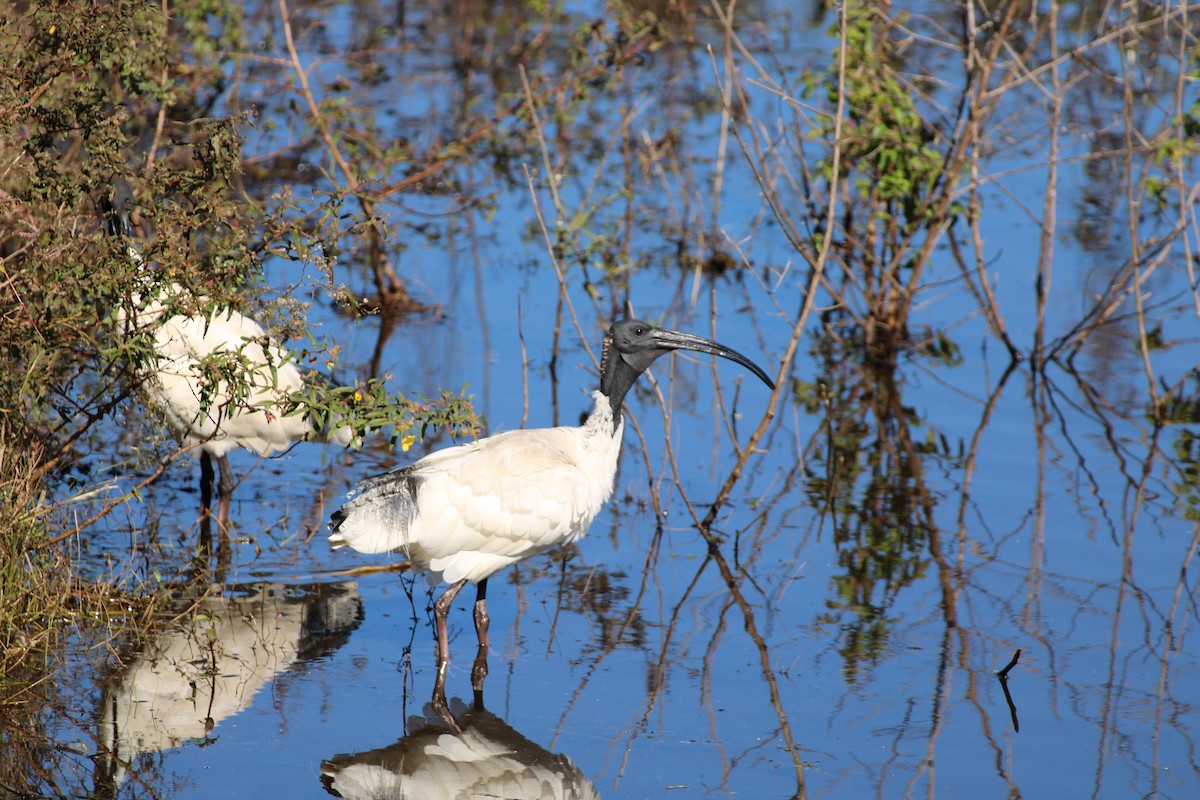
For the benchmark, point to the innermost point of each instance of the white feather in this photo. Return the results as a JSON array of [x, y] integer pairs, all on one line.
[[214, 419], [483, 506]]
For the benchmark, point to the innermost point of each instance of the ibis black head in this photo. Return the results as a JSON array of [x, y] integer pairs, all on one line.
[[632, 345], [118, 211]]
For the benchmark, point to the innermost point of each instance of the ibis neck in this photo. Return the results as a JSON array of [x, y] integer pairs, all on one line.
[[616, 378]]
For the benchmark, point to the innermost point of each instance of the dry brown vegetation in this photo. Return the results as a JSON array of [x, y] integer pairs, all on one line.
[[876, 167]]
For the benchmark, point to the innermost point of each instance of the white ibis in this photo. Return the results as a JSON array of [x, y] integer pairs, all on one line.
[[202, 410], [467, 511]]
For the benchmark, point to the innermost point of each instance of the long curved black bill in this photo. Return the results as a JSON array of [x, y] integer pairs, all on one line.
[[678, 340]]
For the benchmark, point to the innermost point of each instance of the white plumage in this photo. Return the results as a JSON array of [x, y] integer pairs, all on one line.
[[467, 511], [184, 377], [475, 512], [183, 380]]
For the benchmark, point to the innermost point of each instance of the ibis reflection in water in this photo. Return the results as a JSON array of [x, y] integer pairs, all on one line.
[[468, 752], [220, 647], [467, 511], [190, 348]]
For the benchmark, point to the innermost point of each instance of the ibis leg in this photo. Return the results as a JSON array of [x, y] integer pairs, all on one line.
[[204, 545], [479, 672], [481, 616], [204, 550], [480, 669], [225, 487], [441, 607], [224, 495], [224, 491], [206, 482]]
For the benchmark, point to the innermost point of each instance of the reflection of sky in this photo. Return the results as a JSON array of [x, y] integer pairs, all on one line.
[[555, 683]]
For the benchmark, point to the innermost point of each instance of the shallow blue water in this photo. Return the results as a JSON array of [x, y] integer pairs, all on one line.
[[1064, 537]]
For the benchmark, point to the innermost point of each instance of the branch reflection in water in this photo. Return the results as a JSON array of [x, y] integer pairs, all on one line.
[[464, 751], [220, 647]]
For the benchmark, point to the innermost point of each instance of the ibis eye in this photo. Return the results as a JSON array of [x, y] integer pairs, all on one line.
[[639, 330]]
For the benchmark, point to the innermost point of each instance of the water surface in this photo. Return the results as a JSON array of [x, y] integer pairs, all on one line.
[[839, 632]]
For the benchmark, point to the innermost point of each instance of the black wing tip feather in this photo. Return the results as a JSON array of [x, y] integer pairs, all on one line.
[[402, 481], [336, 520], [399, 481]]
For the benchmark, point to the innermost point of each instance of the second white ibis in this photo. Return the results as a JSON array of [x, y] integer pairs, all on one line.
[[191, 351]]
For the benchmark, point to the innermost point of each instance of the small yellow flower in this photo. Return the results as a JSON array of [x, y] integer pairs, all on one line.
[[358, 396], [407, 442]]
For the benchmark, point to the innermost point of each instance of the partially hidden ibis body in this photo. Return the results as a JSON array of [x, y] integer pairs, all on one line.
[[182, 375], [468, 511]]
